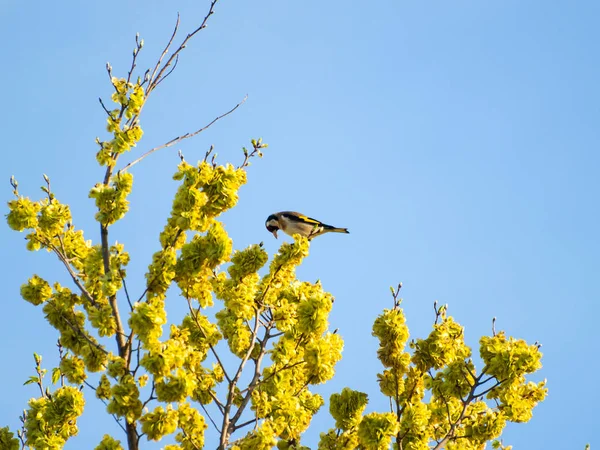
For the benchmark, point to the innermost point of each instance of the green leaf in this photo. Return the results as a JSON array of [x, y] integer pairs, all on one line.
[[31, 380], [56, 373]]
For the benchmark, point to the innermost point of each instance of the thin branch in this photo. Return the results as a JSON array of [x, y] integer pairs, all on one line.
[[445, 403], [305, 385], [182, 137], [155, 80], [79, 331], [195, 317], [228, 423], [138, 351], [271, 375], [217, 401], [395, 294], [210, 418], [104, 107], [104, 401], [467, 378], [481, 394], [466, 403], [245, 424], [491, 377], [190, 440], [151, 397], [138, 47], [169, 72], [151, 282], [63, 258], [112, 300], [164, 52], [126, 292]]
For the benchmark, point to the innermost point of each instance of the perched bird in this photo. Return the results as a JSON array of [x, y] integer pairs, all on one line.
[[295, 223]]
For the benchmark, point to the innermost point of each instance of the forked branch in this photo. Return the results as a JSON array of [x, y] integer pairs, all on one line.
[[182, 137]]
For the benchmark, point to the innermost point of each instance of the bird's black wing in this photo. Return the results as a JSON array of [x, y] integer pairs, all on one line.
[[297, 217]]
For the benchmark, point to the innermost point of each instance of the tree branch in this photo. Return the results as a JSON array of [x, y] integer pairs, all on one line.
[[114, 416], [182, 137], [254, 382], [76, 280], [210, 418], [466, 403], [227, 427], [498, 383], [151, 83], [155, 80], [245, 424], [212, 349]]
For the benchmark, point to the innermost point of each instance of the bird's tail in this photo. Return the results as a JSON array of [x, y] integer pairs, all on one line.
[[336, 230]]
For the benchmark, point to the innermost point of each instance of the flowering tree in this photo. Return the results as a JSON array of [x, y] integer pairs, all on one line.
[[437, 399], [157, 382]]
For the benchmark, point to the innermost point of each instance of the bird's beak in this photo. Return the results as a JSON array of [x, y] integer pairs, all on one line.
[[275, 234]]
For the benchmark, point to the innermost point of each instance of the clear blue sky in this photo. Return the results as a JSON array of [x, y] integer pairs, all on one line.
[[458, 141]]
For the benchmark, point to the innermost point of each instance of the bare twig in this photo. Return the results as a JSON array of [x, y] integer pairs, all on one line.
[[182, 137], [151, 397], [439, 311], [104, 401], [157, 66], [395, 294], [138, 46], [229, 423], [217, 401], [169, 72], [481, 394], [104, 107], [15, 185], [245, 424], [257, 145], [126, 291], [155, 79], [210, 418]]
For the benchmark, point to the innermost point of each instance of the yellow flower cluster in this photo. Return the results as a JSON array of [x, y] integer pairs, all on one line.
[[159, 423], [111, 199], [125, 399], [376, 430], [455, 412], [8, 440], [508, 359], [347, 408], [73, 369], [36, 291], [126, 133], [164, 421], [444, 345], [108, 443], [51, 420]]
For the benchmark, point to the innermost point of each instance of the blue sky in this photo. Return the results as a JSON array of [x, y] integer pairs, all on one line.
[[457, 141]]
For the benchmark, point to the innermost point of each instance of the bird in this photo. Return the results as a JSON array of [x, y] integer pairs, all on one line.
[[291, 223]]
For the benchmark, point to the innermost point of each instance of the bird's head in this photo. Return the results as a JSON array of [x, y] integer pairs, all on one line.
[[272, 224]]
